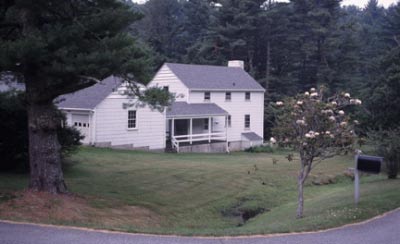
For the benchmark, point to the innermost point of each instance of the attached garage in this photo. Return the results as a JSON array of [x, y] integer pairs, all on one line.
[[82, 123]]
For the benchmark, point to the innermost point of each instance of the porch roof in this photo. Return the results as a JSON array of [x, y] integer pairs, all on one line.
[[189, 110], [251, 136]]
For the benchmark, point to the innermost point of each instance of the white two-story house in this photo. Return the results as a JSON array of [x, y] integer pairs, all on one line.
[[216, 109], [212, 104]]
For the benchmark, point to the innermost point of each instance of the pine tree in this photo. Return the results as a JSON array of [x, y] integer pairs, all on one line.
[[57, 47]]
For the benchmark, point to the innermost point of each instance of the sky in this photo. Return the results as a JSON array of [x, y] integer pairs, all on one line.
[[360, 3]]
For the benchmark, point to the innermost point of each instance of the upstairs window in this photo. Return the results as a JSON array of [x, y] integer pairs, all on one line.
[[207, 96], [132, 119], [166, 88], [247, 121], [228, 96], [247, 96]]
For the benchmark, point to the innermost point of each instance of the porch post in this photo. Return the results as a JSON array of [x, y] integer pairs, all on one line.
[[226, 134], [209, 129], [173, 128], [190, 130], [226, 127]]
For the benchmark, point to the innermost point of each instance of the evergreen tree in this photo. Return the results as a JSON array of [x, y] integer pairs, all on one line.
[[233, 34], [161, 28], [57, 47], [384, 93], [313, 23]]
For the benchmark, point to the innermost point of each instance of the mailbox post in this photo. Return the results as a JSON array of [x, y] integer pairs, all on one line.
[[364, 163], [356, 180]]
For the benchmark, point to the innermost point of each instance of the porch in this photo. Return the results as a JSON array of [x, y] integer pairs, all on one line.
[[191, 125]]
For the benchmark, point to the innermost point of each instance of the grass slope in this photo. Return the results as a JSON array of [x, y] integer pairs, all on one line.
[[202, 193]]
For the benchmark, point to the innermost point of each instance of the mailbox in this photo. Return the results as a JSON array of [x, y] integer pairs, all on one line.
[[369, 164]]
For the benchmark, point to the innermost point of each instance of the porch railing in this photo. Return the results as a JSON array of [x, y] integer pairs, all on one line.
[[176, 140]]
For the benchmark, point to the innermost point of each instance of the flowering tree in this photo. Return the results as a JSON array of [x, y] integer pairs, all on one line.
[[315, 126]]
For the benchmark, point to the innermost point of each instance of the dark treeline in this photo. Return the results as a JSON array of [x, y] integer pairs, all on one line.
[[287, 47]]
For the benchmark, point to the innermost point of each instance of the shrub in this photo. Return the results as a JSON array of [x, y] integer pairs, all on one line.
[[14, 133], [260, 149], [387, 145]]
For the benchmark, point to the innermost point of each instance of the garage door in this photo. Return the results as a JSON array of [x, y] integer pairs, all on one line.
[[81, 122]]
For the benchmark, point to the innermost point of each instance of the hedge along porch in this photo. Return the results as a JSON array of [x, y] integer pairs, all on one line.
[[195, 127]]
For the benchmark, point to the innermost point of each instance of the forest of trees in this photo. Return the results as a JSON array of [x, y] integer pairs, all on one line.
[[288, 47]]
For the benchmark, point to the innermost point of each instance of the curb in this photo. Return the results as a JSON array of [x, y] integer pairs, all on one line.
[[64, 227]]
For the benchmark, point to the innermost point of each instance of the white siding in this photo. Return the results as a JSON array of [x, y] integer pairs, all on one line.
[[237, 107], [112, 124], [165, 77]]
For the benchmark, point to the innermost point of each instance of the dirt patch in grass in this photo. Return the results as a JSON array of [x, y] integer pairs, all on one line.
[[242, 213], [42, 207]]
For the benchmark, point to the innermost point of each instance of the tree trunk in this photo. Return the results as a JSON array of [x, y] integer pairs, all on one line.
[[300, 199], [44, 149]]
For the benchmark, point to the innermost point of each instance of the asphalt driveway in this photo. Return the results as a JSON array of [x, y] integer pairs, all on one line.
[[385, 230]]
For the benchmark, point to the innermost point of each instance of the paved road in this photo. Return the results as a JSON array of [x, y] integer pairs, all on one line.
[[385, 230]]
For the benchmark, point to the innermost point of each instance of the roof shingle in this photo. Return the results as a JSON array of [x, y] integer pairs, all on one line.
[[208, 77], [89, 97], [184, 109]]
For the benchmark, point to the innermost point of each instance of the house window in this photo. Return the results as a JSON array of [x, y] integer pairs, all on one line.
[[166, 88], [229, 121], [228, 96], [206, 124], [132, 119], [247, 96], [207, 96], [247, 121]]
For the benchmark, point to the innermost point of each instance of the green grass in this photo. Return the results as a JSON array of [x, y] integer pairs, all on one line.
[[195, 193]]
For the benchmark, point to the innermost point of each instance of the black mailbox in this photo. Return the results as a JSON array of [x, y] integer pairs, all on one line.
[[369, 164]]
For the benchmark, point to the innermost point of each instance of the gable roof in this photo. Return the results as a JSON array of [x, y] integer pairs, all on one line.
[[91, 96], [208, 77], [184, 109]]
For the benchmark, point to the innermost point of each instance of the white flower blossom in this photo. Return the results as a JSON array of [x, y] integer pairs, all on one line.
[[272, 140], [332, 136], [356, 122], [341, 112], [279, 103], [332, 118], [306, 94], [312, 89], [299, 102], [347, 95], [300, 122], [314, 94], [358, 102], [327, 132], [334, 103], [343, 123], [311, 134]]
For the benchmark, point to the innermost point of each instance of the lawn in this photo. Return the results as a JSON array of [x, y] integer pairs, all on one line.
[[198, 194]]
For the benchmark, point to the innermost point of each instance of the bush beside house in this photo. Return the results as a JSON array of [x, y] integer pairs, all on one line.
[[14, 131]]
